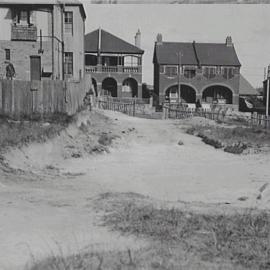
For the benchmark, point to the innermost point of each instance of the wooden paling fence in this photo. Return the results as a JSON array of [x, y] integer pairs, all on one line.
[[221, 115], [25, 98]]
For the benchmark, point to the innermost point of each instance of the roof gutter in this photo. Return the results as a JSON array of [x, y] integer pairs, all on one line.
[[196, 54]]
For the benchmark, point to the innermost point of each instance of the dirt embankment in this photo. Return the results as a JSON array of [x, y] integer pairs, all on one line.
[[235, 139], [42, 147]]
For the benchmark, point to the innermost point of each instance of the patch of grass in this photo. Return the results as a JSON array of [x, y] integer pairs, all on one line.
[[18, 133], [241, 239], [177, 239], [234, 139], [155, 257]]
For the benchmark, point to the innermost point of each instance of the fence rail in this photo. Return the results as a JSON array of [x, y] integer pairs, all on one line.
[[127, 108], [221, 115], [128, 100]]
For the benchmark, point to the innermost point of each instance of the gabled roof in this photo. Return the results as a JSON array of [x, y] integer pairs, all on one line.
[[245, 88], [167, 53], [215, 54], [109, 43]]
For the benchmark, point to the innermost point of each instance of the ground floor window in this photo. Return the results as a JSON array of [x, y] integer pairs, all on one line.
[[7, 51], [68, 63]]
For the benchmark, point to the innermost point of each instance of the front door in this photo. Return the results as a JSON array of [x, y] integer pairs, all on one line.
[[35, 68]]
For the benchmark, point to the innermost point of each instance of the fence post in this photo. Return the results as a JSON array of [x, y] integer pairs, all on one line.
[[134, 103]]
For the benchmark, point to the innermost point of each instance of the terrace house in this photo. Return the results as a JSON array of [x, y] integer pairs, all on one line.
[[209, 72]]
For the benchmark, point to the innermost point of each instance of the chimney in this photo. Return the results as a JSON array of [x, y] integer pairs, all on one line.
[[229, 41], [138, 39], [159, 39]]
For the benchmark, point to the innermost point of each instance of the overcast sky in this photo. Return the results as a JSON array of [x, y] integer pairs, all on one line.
[[247, 24]]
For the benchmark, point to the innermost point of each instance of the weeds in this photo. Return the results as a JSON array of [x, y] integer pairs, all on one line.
[[177, 239], [242, 239], [233, 139], [17, 133]]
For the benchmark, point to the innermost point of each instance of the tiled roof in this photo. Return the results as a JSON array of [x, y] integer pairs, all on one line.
[[196, 53], [109, 43], [167, 53], [245, 88]]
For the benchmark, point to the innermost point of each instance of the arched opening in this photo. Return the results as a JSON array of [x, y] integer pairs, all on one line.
[[188, 94], [130, 88], [94, 83], [110, 87], [217, 94]]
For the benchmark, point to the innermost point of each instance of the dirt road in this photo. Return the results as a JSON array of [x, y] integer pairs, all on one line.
[[45, 204]]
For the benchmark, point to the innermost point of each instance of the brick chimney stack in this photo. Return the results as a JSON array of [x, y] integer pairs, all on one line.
[[229, 41], [159, 39], [138, 39]]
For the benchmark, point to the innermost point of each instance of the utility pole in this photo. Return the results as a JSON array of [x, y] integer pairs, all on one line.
[[267, 93], [179, 70]]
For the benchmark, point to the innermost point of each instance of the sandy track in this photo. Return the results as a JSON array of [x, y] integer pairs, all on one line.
[[39, 214]]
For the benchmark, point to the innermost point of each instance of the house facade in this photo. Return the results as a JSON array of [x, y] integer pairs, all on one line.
[[209, 72], [42, 40], [114, 64]]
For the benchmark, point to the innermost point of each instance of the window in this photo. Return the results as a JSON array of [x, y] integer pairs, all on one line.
[[171, 71], [131, 61], [161, 69], [22, 16], [209, 72], [7, 51], [68, 63], [228, 72], [69, 22], [189, 72]]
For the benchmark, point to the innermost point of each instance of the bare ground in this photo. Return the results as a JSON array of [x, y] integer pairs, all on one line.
[[49, 190]]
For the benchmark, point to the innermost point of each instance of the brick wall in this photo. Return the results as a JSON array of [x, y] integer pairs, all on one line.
[[199, 83], [119, 77]]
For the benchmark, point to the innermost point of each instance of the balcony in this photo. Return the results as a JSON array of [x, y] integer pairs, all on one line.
[[112, 69], [24, 32]]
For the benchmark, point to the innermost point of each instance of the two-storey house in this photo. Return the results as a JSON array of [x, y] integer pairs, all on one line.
[[209, 72], [114, 64], [42, 40]]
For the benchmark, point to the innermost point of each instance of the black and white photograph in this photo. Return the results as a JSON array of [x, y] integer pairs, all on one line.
[[134, 135]]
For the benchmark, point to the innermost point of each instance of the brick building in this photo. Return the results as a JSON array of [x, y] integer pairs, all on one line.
[[209, 72], [114, 64], [42, 40]]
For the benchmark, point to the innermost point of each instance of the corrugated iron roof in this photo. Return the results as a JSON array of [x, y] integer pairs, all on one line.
[[216, 54], [109, 43]]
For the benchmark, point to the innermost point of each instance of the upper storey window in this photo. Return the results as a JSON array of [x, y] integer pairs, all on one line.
[[131, 61], [209, 72], [171, 71], [23, 16], [69, 22]]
